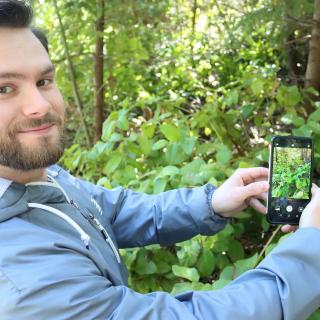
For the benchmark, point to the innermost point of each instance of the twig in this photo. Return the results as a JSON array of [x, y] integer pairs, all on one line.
[[73, 75], [266, 245]]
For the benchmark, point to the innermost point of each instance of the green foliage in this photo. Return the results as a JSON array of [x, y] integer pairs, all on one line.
[[291, 176]]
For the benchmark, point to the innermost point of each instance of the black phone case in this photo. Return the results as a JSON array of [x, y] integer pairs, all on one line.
[[271, 217]]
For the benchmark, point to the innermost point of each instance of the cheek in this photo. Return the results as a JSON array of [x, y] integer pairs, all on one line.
[[57, 102], [8, 116]]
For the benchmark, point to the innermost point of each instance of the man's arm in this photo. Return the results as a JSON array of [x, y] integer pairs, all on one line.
[[284, 286], [139, 219]]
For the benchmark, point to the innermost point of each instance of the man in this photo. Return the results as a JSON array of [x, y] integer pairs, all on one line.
[[59, 236]]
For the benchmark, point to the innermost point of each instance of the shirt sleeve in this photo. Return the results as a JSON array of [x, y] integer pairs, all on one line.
[[284, 286], [140, 219]]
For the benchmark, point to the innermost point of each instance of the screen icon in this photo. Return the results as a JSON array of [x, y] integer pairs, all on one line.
[[289, 208]]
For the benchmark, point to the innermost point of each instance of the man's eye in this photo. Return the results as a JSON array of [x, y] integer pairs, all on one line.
[[5, 90], [44, 82]]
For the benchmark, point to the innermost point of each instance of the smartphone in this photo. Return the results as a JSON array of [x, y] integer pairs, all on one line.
[[290, 178]]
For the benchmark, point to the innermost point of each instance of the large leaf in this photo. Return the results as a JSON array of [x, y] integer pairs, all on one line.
[[171, 132], [206, 263], [113, 163], [224, 154], [190, 274]]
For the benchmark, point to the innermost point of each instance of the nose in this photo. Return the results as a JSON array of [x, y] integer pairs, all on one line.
[[35, 103]]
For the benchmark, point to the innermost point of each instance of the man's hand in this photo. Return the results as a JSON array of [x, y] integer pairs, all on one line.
[[241, 190], [311, 214]]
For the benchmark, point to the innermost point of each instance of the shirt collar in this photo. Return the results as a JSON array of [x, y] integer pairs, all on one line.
[[4, 185]]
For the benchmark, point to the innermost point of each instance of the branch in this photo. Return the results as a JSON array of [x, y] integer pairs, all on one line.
[[301, 22], [301, 40], [266, 245], [73, 75], [74, 55], [229, 6]]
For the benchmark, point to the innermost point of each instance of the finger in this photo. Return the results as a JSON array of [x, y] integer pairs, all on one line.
[[288, 228], [314, 189], [255, 188], [249, 175], [262, 196], [257, 205]]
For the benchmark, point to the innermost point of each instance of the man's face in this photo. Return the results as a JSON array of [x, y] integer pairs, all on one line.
[[31, 106]]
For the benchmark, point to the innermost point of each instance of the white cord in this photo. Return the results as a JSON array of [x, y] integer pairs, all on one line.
[[84, 236]]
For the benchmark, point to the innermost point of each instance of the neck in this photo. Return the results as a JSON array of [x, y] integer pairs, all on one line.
[[23, 177]]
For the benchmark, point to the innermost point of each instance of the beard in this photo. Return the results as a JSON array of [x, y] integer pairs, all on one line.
[[17, 155]]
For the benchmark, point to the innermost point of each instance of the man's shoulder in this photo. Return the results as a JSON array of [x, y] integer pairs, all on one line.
[[55, 169]]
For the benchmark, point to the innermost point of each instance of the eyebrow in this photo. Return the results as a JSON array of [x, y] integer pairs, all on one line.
[[14, 75]]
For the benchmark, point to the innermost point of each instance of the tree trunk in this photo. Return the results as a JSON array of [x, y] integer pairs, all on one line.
[[296, 74], [313, 67], [99, 85]]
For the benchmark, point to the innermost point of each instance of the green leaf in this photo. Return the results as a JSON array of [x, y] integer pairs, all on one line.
[[235, 250], [115, 137], [182, 287], [288, 96], [108, 128], [129, 256], [189, 252], [145, 144], [303, 131], [163, 267], [227, 273], [169, 171], [257, 86], [143, 265], [206, 263], [159, 185], [219, 284], [129, 173], [314, 116], [245, 264], [174, 154], [123, 122], [190, 274], [232, 98], [148, 130], [105, 182], [221, 245], [224, 154], [190, 286], [247, 110], [113, 163], [170, 132], [160, 144], [191, 172], [290, 118], [188, 145], [314, 126], [147, 267]]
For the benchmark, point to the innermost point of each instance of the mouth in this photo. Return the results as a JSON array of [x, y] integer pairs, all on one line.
[[42, 129]]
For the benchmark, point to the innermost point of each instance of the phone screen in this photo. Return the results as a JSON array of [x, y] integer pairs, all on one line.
[[290, 179]]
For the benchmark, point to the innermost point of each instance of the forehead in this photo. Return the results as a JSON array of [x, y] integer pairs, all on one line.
[[20, 50]]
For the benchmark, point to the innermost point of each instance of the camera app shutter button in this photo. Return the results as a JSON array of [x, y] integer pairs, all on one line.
[[289, 208]]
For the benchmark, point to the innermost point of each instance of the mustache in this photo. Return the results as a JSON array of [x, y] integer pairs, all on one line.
[[48, 118]]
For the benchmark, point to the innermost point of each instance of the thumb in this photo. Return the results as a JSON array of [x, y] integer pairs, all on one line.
[[314, 189], [255, 188]]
